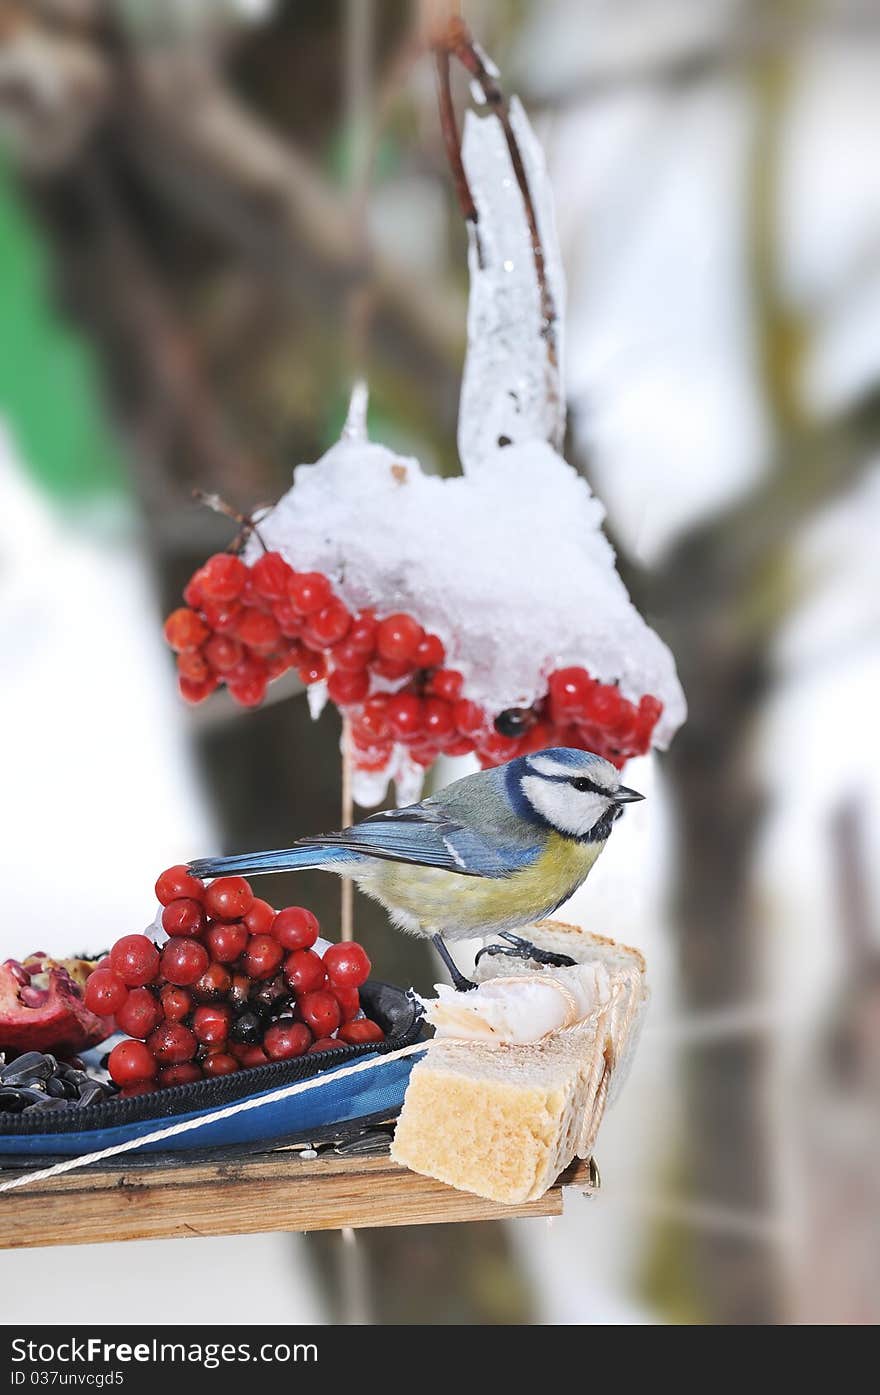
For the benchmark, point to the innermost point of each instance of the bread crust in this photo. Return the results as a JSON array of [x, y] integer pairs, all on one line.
[[504, 1120]]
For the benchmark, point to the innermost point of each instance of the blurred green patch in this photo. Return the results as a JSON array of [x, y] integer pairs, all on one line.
[[50, 395]]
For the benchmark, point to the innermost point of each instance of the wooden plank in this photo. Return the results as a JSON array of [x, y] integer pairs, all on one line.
[[268, 1192]]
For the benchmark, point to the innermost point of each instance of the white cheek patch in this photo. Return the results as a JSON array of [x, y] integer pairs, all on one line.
[[571, 811], [599, 771]]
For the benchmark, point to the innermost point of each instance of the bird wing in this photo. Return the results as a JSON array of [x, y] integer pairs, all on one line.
[[428, 837]]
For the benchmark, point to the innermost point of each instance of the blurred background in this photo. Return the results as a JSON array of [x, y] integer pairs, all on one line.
[[212, 214]]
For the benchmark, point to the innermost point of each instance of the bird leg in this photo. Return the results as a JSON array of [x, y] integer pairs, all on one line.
[[524, 949], [459, 982]]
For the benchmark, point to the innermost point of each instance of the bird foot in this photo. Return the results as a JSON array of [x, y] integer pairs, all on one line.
[[459, 982], [519, 948]]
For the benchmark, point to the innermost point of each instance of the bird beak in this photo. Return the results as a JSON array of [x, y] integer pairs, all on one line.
[[627, 796]]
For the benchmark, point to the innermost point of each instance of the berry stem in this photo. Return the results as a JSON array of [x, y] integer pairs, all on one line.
[[244, 521], [346, 915]]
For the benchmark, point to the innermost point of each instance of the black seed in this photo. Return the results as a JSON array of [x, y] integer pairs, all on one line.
[[247, 1028], [514, 721]]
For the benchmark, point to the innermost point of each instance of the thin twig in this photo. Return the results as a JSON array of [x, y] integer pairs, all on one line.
[[451, 136]]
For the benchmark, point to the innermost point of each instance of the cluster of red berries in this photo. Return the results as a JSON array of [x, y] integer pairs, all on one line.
[[237, 984], [245, 625]]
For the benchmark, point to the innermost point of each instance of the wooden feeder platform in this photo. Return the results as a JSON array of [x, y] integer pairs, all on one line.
[[227, 1192]]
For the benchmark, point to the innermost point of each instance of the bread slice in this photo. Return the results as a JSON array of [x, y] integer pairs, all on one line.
[[503, 1121]]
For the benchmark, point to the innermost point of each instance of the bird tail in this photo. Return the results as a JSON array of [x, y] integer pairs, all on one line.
[[254, 864]]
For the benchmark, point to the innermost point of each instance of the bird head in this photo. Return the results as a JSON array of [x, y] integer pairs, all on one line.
[[576, 792]]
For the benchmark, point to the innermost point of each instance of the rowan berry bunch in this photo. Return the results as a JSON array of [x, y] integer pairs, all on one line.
[[237, 984], [245, 625]]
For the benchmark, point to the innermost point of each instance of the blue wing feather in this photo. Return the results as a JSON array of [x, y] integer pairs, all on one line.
[[423, 835]]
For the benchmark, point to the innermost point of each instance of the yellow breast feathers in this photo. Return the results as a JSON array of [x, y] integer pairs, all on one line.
[[430, 899]]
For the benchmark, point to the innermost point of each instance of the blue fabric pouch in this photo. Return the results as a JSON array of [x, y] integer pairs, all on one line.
[[370, 1093]]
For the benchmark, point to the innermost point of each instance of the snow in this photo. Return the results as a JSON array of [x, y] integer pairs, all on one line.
[[509, 566], [509, 389]]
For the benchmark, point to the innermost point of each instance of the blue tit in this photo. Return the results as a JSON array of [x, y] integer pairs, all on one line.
[[489, 854]]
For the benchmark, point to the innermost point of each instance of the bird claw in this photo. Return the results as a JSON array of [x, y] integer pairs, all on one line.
[[519, 948]]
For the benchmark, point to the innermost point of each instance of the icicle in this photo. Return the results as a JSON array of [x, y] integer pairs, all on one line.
[[355, 428], [512, 388]]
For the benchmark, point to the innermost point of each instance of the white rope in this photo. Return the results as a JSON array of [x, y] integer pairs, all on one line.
[[186, 1125]]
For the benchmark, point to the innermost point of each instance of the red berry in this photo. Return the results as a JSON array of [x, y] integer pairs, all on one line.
[[304, 971], [446, 683], [223, 653], [650, 709], [309, 591], [105, 992], [260, 918], [258, 631], [437, 719], [295, 928], [131, 1062], [214, 983], [194, 666], [176, 1003], [219, 1063], [138, 1087], [313, 670], [196, 692], [192, 591], [495, 749], [569, 690], [348, 658], [228, 942], [371, 725], [429, 652], [404, 714], [183, 961], [325, 1044], [222, 577], [470, 719], [347, 965], [363, 1030], [211, 1023], [172, 1043], [285, 1040], [327, 626], [184, 917], [460, 747], [288, 618], [177, 883], [424, 753], [222, 616], [392, 669], [228, 898], [271, 576], [375, 759], [185, 630], [186, 1074], [398, 637], [348, 998], [249, 1056], [248, 692], [139, 1014], [262, 957], [345, 688], [320, 1011], [135, 959], [252, 598], [362, 634], [603, 704]]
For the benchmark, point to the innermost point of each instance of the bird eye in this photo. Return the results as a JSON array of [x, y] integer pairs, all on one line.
[[582, 785]]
